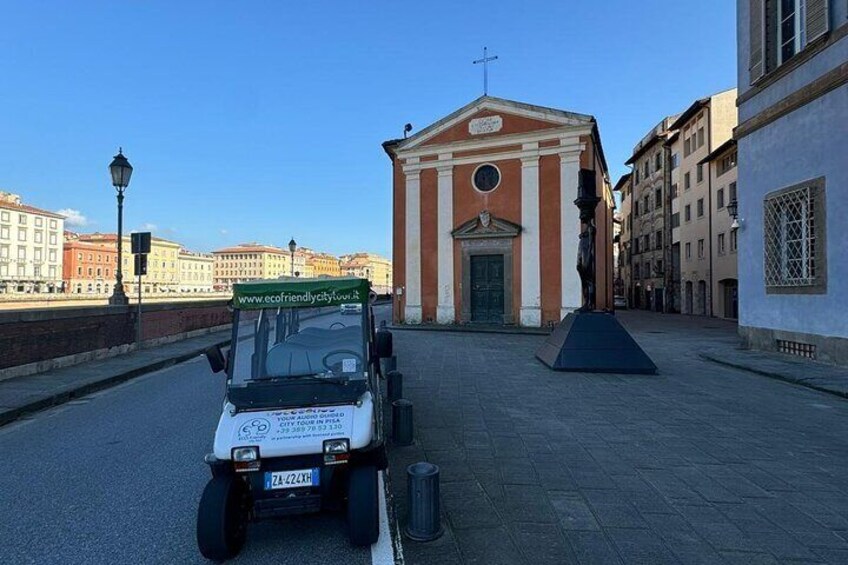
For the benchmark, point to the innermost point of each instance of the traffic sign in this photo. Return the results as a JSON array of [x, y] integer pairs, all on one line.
[[140, 264], [140, 242]]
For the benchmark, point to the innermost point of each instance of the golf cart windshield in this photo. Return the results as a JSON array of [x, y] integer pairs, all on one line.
[[292, 331], [287, 344]]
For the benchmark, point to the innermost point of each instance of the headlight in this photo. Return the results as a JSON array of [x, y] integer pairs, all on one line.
[[245, 454], [334, 446]]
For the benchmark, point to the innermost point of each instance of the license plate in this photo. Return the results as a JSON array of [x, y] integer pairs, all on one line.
[[292, 479]]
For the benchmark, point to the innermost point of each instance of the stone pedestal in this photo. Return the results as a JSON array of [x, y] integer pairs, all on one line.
[[594, 342]]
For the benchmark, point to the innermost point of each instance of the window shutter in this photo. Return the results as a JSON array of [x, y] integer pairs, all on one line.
[[756, 35], [816, 23]]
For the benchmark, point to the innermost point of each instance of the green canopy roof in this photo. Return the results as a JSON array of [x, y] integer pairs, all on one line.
[[290, 292]]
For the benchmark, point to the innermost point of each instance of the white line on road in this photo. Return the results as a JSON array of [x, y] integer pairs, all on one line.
[[382, 552]]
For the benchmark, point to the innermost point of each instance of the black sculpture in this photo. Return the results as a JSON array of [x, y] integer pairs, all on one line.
[[587, 201], [589, 340]]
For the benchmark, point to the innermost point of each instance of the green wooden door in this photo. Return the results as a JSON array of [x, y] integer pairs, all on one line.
[[487, 288]]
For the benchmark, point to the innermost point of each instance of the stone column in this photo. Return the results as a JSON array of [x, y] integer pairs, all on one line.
[[531, 272], [445, 311], [412, 293], [569, 173]]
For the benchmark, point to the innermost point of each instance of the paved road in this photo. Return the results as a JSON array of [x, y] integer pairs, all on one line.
[[116, 478], [699, 464]]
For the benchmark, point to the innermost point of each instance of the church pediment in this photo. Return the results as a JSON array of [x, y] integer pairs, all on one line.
[[486, 226], [488, 116]]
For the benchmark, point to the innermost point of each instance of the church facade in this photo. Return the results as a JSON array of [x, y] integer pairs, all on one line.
[[485, 229]]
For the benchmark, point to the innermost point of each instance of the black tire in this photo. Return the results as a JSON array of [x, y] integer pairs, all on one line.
[[363, 513], [222, 518]]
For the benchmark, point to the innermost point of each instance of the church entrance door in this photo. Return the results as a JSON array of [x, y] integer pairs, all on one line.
[[487, 288]]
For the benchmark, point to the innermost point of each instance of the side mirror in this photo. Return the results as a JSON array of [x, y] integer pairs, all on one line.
[[217, 361], [384, 344]]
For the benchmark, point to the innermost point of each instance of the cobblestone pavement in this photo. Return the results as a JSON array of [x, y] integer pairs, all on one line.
[[699, 464]]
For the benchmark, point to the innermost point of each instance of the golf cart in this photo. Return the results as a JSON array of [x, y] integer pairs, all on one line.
[[301, 426]]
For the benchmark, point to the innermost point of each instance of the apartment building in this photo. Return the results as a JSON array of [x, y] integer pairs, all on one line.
[[702, 128], [792, 142], [88, 267], [163, 274], [30, 247], [649, 232], [725, 285], [623, 280], [195, 271], [322, 264], [377, 269], [249, 261]]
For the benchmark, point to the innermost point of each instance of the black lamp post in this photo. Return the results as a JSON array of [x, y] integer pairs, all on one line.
[[121, 171], [292, 249]]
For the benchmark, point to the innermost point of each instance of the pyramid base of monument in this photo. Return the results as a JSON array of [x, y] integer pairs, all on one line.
[[594, 342]]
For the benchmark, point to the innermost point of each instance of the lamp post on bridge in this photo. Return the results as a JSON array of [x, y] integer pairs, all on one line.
[[121, 171], [292, 249]]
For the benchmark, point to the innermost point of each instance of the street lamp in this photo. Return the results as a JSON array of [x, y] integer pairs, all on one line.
[[121, 171], [733, 211], [292, 249]]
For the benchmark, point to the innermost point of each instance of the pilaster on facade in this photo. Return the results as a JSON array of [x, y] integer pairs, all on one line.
[[569, 172], [531, 273], [412, 309], [445, 309]]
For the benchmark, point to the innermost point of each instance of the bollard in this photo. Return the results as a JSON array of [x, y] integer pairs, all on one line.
[[402, 422], [389, 364], [394, 386], [422, 494]]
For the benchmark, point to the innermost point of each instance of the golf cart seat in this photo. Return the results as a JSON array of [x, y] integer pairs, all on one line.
[[295, 359]]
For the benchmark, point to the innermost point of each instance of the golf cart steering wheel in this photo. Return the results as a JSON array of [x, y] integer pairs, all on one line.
[[337, 352], [339, 323]]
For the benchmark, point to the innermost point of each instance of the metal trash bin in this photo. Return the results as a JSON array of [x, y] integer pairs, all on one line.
[[394, 385], [422, 499]]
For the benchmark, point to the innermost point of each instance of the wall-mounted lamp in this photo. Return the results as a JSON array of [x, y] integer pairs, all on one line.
[[733, 211]]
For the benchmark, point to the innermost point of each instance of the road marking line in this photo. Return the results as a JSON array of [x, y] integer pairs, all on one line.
[[383, 552]]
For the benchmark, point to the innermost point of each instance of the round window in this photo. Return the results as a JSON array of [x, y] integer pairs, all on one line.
[[486, 178]]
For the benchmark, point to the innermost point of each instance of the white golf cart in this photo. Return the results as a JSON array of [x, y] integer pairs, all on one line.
[[301, 426]]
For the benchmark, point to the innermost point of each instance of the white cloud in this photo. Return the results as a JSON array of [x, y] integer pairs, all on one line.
[[148, 227], [225, 232], [74, 218]]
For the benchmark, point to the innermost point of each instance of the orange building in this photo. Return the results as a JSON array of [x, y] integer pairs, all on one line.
[[88, 268], [485, 226]]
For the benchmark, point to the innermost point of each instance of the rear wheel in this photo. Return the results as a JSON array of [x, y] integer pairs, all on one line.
[[222, 518], [363, 518]]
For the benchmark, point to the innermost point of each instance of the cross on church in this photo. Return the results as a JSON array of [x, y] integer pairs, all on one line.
[[485, 60]]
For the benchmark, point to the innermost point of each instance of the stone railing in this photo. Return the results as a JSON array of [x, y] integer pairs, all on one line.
[[37, 340]]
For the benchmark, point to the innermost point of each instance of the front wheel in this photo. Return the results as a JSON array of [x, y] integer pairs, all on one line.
[[363, 513], [222, 518]]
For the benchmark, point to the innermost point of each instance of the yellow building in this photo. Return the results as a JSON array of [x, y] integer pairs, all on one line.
[[321, 264], [163, 274], [249, 261], [377, 269], [195, 271]]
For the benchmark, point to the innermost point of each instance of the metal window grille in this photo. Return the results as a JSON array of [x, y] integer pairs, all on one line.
[[807, 350], [790, 239]]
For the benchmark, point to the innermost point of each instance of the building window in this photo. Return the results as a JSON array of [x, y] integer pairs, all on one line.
[[700, 207], [700, 172], [636, 208], [701, 136], [636, 271], [53, 239], [674, 191], [4, 232], [658, 267], [700, 249], [794, 224], [22, 234], [675, 220], [659, 239], [733, 241], [486, 178], [675, 161], [4, 216], [726, 163], [732, 191], [658, 161], [687, 213], [688, 251], [39, 236], [687, 147], [658, 198], [79, 271], [21, 253], [721, 248], [687, 182], [38, 254], [647, 170], [22, 219], [720, 199]]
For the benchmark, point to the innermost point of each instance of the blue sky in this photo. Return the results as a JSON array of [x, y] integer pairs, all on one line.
[[258, 121]]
